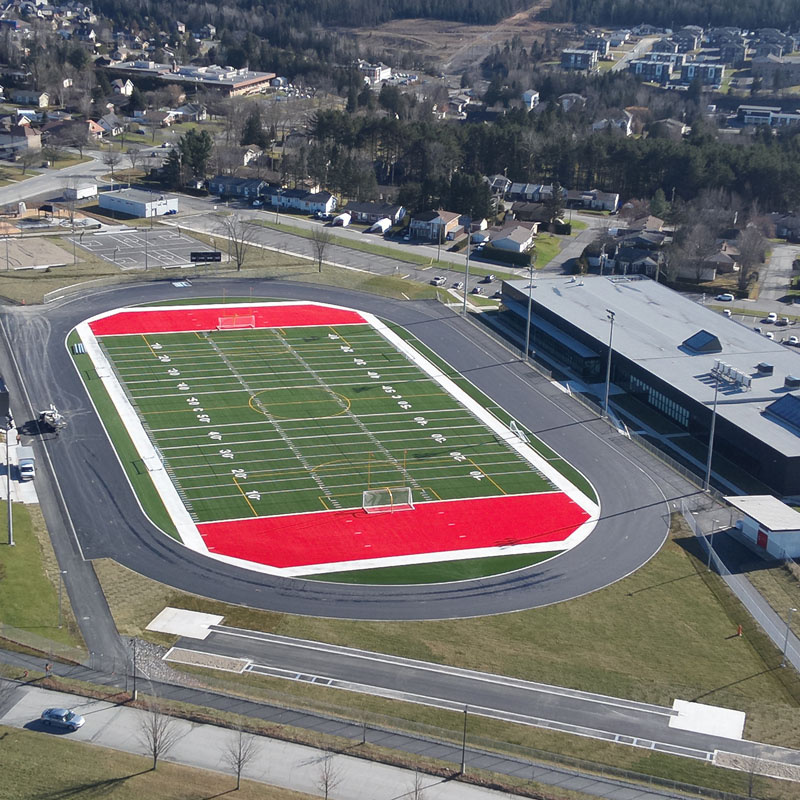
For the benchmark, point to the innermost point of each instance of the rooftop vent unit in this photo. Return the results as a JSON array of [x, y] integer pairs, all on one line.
[[765, 369], [791, 382]]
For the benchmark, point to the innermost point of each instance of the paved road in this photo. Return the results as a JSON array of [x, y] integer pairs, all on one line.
[[50, 182], [583, 713], [631, 529], [636, 52], [778, 273]]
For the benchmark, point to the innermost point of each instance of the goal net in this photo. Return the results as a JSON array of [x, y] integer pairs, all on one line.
[[237, 321], [376, 501], [518, 432]]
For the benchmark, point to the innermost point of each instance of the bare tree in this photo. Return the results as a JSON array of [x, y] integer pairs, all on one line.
[[240, 751], [28, 159], [752, 250], [329, 776], [417, 788], [237, 231], [320, 239], [133, 156], [158, 732], [111, 159]]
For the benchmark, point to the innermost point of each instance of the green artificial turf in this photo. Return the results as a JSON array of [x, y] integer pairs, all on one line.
[[441, 572]]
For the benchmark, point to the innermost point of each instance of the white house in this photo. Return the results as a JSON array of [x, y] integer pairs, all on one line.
[[518, 239], [772, 526], [121, 86], [530, 99]]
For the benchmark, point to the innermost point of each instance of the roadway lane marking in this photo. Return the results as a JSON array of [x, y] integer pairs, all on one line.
[[483, 677]]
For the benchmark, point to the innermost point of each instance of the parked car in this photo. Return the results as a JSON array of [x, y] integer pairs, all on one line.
[[793, 340], [726, 312], [497, 295], [783, 322], [769, 335], [757, 329], [771, 317], [477, 290], [172, 211], [458, 285], [62, 718], [489, 279], [439, 281], [725, 298], [258, 203]]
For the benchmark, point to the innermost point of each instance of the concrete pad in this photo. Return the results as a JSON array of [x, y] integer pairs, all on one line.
[[711, 720], [196, 658], [180, 622]]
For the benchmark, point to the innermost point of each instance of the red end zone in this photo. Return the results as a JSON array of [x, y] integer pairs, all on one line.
[[177, 320], [340, 536]]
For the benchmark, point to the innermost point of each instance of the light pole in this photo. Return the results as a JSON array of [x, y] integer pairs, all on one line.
[[710, 545], [464, 744], [61, 574], [786, 638], [9, 424], [707, 482], [466, 282], [530, 304], [610, 314]]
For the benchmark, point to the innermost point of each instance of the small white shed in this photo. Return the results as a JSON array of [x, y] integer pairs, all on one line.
[[769, 523], [381, 226], [80, 191], [342, 219]]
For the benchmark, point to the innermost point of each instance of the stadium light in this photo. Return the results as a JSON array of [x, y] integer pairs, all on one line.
[[610, 314], [531, 287], [707, 482]]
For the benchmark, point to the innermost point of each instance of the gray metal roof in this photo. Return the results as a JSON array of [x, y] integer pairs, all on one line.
[[138, 195], [767, 511], [652, 321]]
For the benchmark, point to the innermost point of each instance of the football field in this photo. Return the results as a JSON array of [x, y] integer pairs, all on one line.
[[270, 422]]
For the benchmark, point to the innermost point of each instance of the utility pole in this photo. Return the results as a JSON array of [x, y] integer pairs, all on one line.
[[464, 744], [611, 314], [9, 425]]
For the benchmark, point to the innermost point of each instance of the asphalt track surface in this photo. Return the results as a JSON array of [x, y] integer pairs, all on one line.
[[108, 521]]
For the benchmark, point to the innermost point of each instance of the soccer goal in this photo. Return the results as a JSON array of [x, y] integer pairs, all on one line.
[[236, 322], [518, 432], [376, 501]]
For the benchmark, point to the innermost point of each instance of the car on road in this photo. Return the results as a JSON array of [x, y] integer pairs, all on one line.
[[771, 317], [62, 718], [725, 298], [439, 281], [258, 203], [458, 285]]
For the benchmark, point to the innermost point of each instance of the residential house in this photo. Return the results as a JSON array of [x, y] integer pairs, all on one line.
[[516, 238], [664, 46], [646, 223], [302, 200], [651, 71], [623, 123], [531, 212], [592, 198], [688, 38], [434, 225], [231, 186], [18, 139], [571, 100], [708, 73], [579, 60], [787, 226], [597, 42], [111, 124], [250, 154], [122, 86], [766, 115], [618, 38], [208, 31], [190, 112], [762, 49], [498, 184], [30, 97], [84, 33], [722, 261], [372, 212], [733, 53], [530, 99], [676, 59]]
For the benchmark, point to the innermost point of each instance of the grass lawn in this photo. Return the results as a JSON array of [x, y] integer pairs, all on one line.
[[548, 247], [578, 225], [85, 770], [633, 639], [29, 577]]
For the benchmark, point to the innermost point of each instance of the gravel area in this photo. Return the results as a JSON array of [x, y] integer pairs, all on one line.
[[210, 660]]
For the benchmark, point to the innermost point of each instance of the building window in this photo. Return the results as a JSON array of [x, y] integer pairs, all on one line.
[[660, 401]]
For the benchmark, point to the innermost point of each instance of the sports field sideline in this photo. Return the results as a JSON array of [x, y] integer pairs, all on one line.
[[271, 421]]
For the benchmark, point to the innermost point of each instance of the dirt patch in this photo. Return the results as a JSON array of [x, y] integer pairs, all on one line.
[[33, 253]]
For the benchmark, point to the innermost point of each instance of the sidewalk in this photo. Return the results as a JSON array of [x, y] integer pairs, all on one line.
[[275, 763]]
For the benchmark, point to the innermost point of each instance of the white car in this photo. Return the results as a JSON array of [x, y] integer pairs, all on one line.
[[793, 340], [771, 317], [477, 290], [257, 203], [458, 285], [725, 298], [439, 281]]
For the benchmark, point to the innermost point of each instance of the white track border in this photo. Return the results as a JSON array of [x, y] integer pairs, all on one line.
[[187, 529]]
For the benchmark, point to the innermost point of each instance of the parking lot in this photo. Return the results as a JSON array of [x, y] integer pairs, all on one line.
[[158, 248]]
